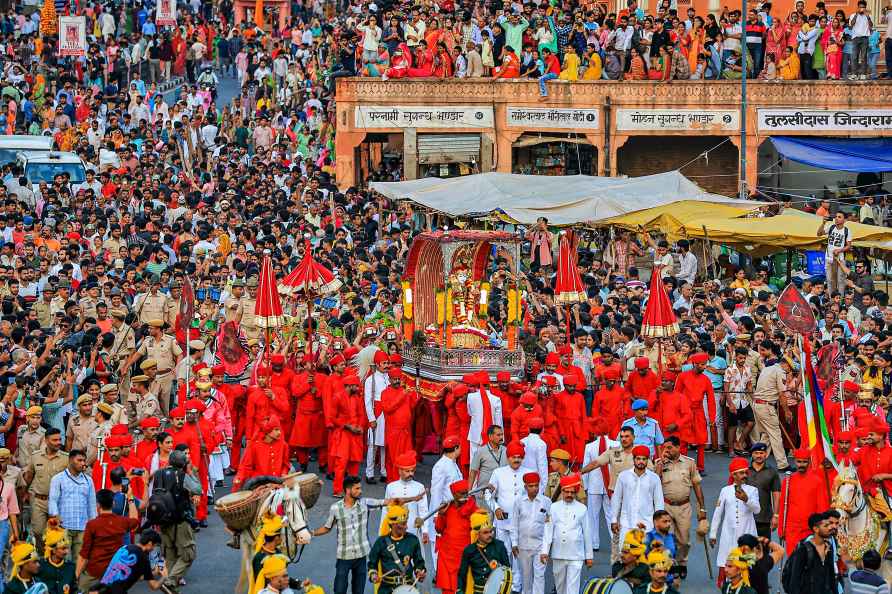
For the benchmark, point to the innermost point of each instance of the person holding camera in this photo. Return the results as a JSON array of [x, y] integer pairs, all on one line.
[[172, 507], [103, 537], [138, 559]]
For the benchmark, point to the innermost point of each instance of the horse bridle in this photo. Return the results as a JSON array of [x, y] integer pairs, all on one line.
[[847, 506]]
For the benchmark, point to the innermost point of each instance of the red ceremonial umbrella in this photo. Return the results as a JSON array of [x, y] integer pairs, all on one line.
[[312, 279], [268, 308], [568, 288], [659, 318]]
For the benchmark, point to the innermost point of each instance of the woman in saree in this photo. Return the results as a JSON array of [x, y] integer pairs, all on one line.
[[692, 42]]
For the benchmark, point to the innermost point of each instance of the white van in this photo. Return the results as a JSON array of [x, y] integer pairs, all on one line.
[[44, 166], [11, 145]]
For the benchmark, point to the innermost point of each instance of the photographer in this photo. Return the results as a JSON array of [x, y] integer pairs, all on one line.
[[171, 506], [103, 537], [138, 558]]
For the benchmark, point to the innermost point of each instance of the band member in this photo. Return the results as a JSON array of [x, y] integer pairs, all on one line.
[[631, 565], [395, 558], [480, 558]]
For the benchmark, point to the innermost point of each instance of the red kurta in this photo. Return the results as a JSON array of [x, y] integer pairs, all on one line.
[[453, 528], [793, 519], [570, 413], [193, 436], [614, 406], [396, 404], [458, 423], [263, 403], [509, 401], [309, 427], [693, 386], [520, 421], [286, 380], [550, 434], [670, 408], [262, 457], [347, 448], [872, 461], [642, 386], [237, 398]]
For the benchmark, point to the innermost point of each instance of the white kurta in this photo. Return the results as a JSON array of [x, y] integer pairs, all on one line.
[[594, 480], [567, 535], [417, 509], [535, 458], [736, 518], [475, 411], [635, 500], [527, 532], [508, 484], [374, 385]]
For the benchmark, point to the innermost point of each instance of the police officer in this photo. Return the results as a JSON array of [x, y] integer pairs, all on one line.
[[647, 429], [81, 426], [44, 308], [45, 464], [679, 476], [110, 397], [246, 310], [559, 463], [232, 306], [152, 305], [165, 351]]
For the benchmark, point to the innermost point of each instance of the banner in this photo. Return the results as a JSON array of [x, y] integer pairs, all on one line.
[[852, 120], [368, 116], [546, 117], [72, 36], [166, 13], [677, 119]]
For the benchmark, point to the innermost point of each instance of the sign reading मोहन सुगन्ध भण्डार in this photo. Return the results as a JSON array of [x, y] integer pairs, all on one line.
[[677, 119]]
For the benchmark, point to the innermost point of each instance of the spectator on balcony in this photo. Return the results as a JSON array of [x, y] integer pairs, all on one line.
[[552, 67], [510, 67], [887, 40], [769, 72], [371, 36], [806, 39], [832, 44], [873, 53], [593, 65], [393, 36], [399, 63], [423, 60], [861, 25], [475, 62], [776, 39], [732, 35], [637, 69], [570, 71], [514, 26], [789, 65], [755, 37]]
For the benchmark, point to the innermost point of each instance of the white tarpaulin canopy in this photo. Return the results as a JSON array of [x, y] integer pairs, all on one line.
[[566, 200]]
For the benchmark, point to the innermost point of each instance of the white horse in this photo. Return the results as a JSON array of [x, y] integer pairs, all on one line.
[[861, 528], [286, 502]]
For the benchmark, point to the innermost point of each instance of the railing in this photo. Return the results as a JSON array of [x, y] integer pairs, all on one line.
[[445, 364]]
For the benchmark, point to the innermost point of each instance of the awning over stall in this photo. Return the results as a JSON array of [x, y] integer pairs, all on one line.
[[841, 154]]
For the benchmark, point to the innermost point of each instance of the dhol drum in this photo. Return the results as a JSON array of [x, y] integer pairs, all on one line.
[[607, 586], [406, 589], [499, 581], [238, 510]]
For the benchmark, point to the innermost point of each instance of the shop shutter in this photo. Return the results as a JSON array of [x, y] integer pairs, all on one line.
[[448, 148]]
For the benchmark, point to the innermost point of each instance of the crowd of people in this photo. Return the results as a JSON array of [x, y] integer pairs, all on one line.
[[121, 419]]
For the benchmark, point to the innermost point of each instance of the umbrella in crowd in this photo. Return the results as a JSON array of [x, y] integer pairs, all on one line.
[[568, 288], [268, 309], [312, 280], [659, 319]]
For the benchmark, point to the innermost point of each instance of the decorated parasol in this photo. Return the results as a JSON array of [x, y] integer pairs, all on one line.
[[310, 279], [659, 318], [568, 288], [268, 308]]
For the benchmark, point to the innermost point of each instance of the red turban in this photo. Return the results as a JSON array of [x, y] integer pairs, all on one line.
[[177, 413], [531, 478], [844, 436], [861, 432], [598, 426], [450, 441], [571, 380], [641, 450], [120, 429], [503, 376], [395, 373], [277, 359], [126, 441], [536, 423], [699, 358], [552, 359], [198, 367], [850, 386], [407, 460], [114, 441], [380, 357], [218, 370], [350, 380], [611, 374], [460, 390], [529, 399], [802, 454], [196, 405], [350, 352], [337, 360], [571, 481], [481, 378], [669, 376], [879, 426], [738, 464], [515, 448], [565, 350], [270, 423], [149, 422], [459, 487], [642, 363], [396, 359]]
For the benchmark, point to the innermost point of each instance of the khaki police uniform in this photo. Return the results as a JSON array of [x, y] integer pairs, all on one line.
[[246, 314], [769, 389], [100, 433], [27, 443], [80, 429], [151, 307], [165, 351], [119, 417], [679, 477], [43, 468], [88, 307], [44, 311], [147, 406], [57, 304]]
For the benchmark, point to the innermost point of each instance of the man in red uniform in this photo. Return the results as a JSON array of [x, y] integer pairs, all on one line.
[[284, 378], [264, 401], [520, 418], [111, 459], [308, 431], [612, 402], [643, 381], [199, 437], [396, 405], [671, 410], [458, 422], [548, 390], [839, 415], [800, 490], [334, 384], [874, 461], [349, 422], [236, 398], [694, 385], [570, 413], [605, 363], [566, 367], [150, 426], [504, 390], [266, 454], [453, 526]]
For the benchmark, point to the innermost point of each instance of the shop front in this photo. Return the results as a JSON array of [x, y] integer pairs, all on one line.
[[536, 154]]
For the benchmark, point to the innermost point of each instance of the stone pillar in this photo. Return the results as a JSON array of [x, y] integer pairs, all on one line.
[[486, 146], [410, 153], [616, 143], [345, 157], [596, 139], [503, 150]]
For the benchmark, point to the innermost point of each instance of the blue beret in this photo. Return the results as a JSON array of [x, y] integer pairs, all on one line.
[[639, 404]]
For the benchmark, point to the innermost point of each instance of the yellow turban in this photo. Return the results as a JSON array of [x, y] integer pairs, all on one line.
[[660, 559], [53, 536], [479, 521], [274, 565], [21, 553], [743, 561], [270, 526], [394, 515], [634, 544]]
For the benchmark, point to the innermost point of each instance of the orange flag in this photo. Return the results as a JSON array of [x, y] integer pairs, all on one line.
[[258, 14]]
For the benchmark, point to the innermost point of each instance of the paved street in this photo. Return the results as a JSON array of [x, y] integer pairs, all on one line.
[[216, 569]]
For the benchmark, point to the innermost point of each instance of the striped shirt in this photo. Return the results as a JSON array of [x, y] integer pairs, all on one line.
[[865, 581], [353, 522]]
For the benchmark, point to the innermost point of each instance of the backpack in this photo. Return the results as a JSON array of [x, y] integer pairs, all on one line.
[[162, 508], [787, 578]]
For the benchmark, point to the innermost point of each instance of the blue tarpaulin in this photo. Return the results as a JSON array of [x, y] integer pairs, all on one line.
[[842, 154]]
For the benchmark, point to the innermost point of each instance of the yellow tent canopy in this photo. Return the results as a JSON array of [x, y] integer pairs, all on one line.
[[793, 229]]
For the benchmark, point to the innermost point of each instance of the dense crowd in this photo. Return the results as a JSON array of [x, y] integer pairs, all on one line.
[[120, 419]]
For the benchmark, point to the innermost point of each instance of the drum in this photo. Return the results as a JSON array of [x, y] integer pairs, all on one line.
[[406, 589], [607, 586], [309, 486], [499, 581], [238, 510]]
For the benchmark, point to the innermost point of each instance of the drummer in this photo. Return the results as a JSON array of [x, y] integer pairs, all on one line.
[[482, 557], [396, 559], [660, 563]]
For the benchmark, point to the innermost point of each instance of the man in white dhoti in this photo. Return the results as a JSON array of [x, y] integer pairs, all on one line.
[[735, 511], [507, 488], [375, 383]]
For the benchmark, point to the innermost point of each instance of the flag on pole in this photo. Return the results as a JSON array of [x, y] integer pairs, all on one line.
[[187, 308], [819, 441]]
